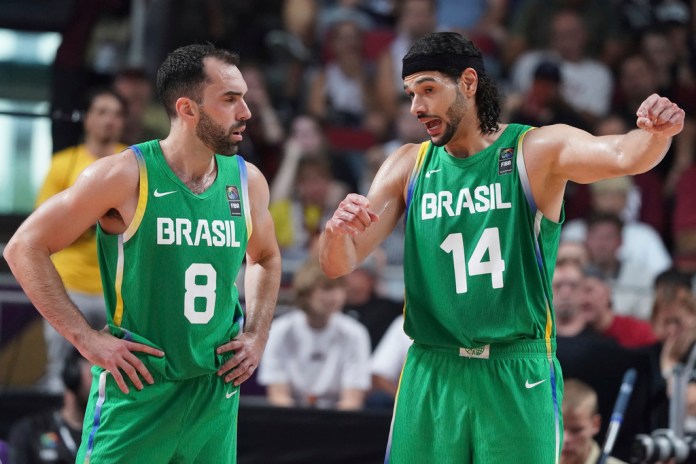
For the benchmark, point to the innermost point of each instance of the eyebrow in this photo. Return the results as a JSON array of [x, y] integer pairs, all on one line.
[[233, 93], [420, 80]]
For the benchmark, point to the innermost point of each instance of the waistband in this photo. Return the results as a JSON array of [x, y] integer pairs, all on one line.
[[510, 350]]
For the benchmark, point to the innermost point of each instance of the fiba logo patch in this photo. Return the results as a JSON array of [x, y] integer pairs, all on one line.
[[232, 194], [505, 161]]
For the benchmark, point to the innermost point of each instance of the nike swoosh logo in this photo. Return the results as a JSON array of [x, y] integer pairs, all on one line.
[[229, 395], [532, 385], [163, 194], [427, 174]]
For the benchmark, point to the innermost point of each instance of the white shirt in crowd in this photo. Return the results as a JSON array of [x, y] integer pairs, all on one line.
[[390, 354], [317, 363]]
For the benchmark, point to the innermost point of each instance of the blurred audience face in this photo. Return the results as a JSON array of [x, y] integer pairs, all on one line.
[[674, 318], [569, 35], [104, 119], [417, 18], [637, 79], [361, 285], [580, 425], [346, 39], [596, 299], [567, 291], [573, 251], [603, 242], [137, 91], [326, 299], [657, 48], [313, 183], [307, 133]]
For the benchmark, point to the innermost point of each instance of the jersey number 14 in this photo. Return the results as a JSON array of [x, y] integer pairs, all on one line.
[[489, 241]]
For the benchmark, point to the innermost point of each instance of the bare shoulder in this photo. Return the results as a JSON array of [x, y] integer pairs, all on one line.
[[552, 138], [112, 174], [258, 185], [391, 181]]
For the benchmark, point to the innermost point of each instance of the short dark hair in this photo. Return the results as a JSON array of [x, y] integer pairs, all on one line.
[[182, 73], [602, 218], [487, 94]]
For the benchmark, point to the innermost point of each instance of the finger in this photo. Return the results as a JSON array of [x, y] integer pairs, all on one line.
[[230, 364], [133, 346], [243, 378], [233, 345], [243, 369], [665, 114], [644, 108], [139, 366], [119, 380], [132, 374], [358, 218], [337, 225]]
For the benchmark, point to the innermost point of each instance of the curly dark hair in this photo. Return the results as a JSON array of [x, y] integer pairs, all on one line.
[[182, 73], [487, 94]]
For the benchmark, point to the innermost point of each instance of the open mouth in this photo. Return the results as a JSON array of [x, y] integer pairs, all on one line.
[[433, 126]]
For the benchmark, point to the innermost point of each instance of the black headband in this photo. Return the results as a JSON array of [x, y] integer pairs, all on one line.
[[441, 62]]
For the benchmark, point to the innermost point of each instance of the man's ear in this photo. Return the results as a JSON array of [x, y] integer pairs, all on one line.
[[186, 108], [468, 82]]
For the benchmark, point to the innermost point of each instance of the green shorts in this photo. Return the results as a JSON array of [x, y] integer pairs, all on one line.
[[500, 407], [187, 421]]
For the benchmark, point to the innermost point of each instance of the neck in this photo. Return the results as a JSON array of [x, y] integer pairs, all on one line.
[[317, 321], [467, 142], [190, 160]]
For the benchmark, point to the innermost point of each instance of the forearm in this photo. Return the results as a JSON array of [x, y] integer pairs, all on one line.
[[283, 182], [640, 151], [262, 282], [337, 254], [40, 281], [279, 395], [272, 129]]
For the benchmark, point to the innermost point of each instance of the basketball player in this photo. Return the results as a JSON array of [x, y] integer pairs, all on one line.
[[484, 207], [171, 242]]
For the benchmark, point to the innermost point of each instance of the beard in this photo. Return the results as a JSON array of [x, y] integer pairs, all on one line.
[[455, 114], [214, 136]]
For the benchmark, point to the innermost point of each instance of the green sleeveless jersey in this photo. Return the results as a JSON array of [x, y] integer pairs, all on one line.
[[479, 256], [169, 279]]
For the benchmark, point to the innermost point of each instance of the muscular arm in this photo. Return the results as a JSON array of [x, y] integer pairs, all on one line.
[[556, 154], [360, 223], [108, 184], [261, 284]]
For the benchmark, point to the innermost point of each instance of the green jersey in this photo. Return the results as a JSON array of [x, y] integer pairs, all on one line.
[[479, 256], [169, 279]]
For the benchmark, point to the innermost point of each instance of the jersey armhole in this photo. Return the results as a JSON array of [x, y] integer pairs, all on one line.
[[142, 195], [244, 179], [413, 178]]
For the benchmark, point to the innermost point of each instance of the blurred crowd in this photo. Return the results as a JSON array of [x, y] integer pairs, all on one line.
[[327, 104]]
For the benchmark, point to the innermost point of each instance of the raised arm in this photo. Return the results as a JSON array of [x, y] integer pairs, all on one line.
[[361, 223], [261, 284], [105, 190], [559, 153]]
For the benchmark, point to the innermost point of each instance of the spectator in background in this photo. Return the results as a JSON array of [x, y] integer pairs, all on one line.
[[304, 191], [530, 28], [54, 436], [596, 305], [416, 18], [567, 297], [341, 92], [543, 102], [264, 141], [387, 362], [70, 74], [77, 264], [574, 251], [363, 302], [586, 84], [581, 423], [639, 241], [144, 119], [316, 356], [630, 277]]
